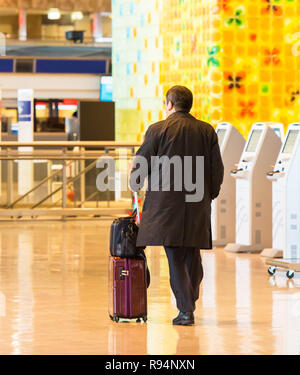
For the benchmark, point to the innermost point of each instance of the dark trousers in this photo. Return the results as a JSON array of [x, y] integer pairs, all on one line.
[[186, 274]]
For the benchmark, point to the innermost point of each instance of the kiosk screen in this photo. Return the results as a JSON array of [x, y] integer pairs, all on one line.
[[290, 141], [221, 134], [253, 141]]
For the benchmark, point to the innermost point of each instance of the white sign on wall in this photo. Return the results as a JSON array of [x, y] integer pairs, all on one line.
[[25, 134], [2, 44]]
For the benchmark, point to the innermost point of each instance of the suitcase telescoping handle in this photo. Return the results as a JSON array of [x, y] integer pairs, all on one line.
[[137, 207]]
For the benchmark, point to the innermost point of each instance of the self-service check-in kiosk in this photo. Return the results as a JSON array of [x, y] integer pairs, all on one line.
[[277, 127], [231, 144], [254, 192], [286, 202]]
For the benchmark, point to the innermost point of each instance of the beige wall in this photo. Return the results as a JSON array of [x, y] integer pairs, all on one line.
[[84, 24], [83, 5], [73, 86], [57, 32], [9, 25], [34, 26], [106, 27], [35, 29]]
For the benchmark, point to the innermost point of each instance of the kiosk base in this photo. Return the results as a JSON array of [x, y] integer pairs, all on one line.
[[272, 253], [238, 248], [217, 243], [290, 265]]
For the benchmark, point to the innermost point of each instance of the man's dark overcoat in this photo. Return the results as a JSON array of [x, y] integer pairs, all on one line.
[[167, 218]]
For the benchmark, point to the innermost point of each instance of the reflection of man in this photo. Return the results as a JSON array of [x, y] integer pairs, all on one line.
[[182, 227]]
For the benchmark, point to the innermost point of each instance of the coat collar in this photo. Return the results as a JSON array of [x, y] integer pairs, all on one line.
[[180, 114]]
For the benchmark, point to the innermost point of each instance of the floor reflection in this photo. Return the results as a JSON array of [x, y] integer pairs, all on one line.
[[23, 322], [279, 280], [286, 322], [244, 304], [53, 281], [208, 303], [125, 338], [162, 339]]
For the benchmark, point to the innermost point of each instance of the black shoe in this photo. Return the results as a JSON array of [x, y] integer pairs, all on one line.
[[184, 319]]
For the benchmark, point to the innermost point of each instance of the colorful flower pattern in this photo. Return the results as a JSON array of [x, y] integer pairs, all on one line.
[[272, 56], [247, 109], [212, 59], [271, 6], [222, 5], [236, 19], [241, 59], [249, 54], [235, 81]]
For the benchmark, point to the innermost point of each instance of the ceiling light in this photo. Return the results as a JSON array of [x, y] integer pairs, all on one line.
[[54, 14], [76, 16]]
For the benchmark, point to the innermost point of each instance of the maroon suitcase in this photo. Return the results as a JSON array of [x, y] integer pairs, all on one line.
[[127, 288]]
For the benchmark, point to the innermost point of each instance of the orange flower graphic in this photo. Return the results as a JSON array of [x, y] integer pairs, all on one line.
[[272, 57], [235, 81], [247, 108], [221, 5]]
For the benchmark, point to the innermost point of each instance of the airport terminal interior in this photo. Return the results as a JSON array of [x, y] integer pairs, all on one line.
[[84, 80]]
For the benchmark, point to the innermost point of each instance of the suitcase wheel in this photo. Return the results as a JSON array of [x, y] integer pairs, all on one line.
[[272, 270], [290, 274], [144, 317], [115, 318]]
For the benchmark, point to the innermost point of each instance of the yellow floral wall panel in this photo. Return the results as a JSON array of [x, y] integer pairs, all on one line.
[[239, 57]]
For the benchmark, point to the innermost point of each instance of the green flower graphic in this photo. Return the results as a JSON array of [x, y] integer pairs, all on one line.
[[236, 19], [212, 60]]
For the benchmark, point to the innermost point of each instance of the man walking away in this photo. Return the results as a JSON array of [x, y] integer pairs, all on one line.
[[177, 214]]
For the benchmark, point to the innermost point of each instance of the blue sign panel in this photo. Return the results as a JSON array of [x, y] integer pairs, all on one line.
[[6, 65], [70, 66], [24, 110]]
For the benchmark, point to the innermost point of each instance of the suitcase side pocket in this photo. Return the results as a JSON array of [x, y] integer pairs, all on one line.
[[128, 242], [115, 240]]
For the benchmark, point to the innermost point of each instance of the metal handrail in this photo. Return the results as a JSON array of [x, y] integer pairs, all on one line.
[[87, 199], [85, 170], [59, 157], [34, 188], [59, 150], [62, 151], [59, 144]]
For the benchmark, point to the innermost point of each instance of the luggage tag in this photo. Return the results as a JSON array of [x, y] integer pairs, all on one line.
[[136, 201], [136, 209]]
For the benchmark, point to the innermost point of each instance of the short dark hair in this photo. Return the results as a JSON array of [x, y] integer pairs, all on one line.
[[181, 98]]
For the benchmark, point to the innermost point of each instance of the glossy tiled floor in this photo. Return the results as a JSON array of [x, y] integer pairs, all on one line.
[[53, 283]]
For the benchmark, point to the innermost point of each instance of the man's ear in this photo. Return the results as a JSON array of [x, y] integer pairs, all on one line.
[[170, 105]]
